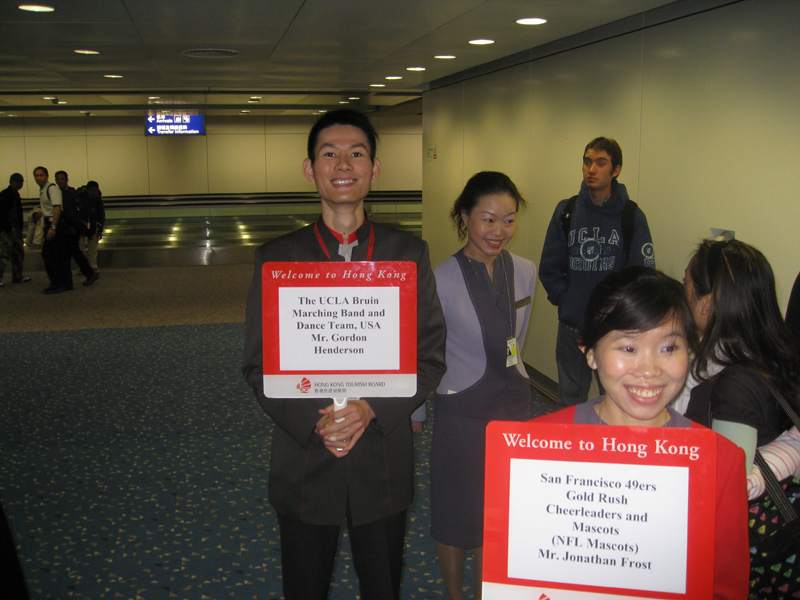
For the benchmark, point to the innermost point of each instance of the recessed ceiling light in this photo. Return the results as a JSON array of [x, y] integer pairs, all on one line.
[[49, 98], [86, 52], [393, 77], [445, 56], [481, 42], [415, 68], [154, 98], [532, 21], [113, 76], [377, 85], [354, 98], [252, 101], [244, 111], [61, 102], [344, 102], [36, 8], [255, 97]]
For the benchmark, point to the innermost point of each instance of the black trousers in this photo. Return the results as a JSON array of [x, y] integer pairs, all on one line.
[[55, 257], [12, 250], [73, 250], [308, 553]]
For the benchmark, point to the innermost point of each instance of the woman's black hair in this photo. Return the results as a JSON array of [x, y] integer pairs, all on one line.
[[635, 299], [479, 185], [745, 326]]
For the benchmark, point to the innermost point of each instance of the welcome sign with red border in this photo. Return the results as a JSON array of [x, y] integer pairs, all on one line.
[[339, 329], [575, 512]]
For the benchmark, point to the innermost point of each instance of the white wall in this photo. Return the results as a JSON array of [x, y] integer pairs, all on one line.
[[237, 154], [706, 111]]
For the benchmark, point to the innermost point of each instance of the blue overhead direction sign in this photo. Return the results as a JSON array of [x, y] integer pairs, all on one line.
[[175, 125]]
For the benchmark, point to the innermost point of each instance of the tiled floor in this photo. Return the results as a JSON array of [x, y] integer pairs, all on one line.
[[129, 298], [134, 457]]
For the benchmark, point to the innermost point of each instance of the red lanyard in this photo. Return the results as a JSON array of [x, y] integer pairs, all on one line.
[[325, 249]]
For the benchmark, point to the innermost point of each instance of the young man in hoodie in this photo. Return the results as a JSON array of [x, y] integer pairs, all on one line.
[[598, 231]]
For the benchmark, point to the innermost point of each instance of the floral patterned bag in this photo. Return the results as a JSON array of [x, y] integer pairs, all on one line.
[[775, 543], [775, 531]]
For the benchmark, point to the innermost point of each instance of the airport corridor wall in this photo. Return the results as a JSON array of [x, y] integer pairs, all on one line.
[[704, 107], [238, 154]]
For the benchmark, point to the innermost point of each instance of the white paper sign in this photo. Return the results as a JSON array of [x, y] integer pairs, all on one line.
[[323, 328], [621, 526]]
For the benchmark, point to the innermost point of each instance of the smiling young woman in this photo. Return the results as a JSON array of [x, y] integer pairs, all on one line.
[[640, 372], [638, 332], [486, 294], [490, 225]]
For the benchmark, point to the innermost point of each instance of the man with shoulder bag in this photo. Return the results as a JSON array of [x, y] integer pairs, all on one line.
[[75, 226], [56, 260]]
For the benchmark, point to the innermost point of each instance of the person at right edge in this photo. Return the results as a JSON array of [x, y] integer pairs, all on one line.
[[598, 231]]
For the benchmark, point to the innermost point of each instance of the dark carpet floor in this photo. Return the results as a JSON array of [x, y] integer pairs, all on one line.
[[134, 465]]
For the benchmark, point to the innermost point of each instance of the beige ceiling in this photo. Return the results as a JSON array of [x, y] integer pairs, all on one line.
[[298, 55]]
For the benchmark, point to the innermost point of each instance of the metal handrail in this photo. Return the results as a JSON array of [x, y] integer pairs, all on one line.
[[199, 200]]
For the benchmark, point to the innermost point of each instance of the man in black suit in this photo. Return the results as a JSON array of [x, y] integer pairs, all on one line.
[[357, 471]]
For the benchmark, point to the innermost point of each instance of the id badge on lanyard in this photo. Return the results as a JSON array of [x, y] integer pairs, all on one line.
[[512, 352]]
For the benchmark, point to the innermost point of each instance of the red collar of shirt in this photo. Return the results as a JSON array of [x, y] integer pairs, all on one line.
[[351, 238]]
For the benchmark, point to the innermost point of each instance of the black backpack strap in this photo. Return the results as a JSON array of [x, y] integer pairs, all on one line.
[[566, 215], [628, 213], [771, 482], [785, 405]]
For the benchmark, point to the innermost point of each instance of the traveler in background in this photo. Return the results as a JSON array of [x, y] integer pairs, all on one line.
[[74, 224], [597, 231], [12, 246], [54, 255], [91, 199]]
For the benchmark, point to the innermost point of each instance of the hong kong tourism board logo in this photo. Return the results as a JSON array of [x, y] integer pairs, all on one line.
[[304, 385]]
